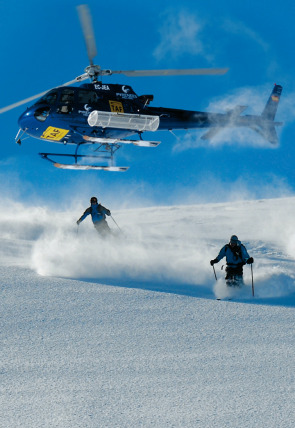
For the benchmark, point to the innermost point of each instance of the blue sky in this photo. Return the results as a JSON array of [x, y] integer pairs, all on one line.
[[42, 47]]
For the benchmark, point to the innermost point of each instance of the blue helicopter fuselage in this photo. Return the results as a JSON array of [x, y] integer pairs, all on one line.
[[61, 115]]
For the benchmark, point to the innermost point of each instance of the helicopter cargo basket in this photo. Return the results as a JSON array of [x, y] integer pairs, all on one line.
[[136, 122]]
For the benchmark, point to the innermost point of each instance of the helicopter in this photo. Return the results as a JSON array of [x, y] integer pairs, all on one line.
[[107, 116]]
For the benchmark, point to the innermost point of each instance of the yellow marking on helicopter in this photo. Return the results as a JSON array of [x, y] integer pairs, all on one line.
[[55, 134], [116, 107]]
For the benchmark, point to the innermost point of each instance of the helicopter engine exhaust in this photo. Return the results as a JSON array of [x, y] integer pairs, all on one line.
[[135, 122]]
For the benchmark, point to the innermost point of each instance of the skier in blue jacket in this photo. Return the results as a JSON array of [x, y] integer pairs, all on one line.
[[98, 215], [236, 257]]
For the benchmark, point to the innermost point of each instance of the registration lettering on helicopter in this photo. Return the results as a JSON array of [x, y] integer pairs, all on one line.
[[116, 106], [55, 134], [102, 87]]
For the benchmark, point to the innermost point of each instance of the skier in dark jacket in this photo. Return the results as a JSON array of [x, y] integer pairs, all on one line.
[[236, 257], [98, 215]]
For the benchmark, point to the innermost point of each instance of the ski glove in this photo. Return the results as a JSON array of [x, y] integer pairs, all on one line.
[[212, 262], [250, 261], [78, 222]]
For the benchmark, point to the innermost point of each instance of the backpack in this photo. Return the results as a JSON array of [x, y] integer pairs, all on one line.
[[237, 252]]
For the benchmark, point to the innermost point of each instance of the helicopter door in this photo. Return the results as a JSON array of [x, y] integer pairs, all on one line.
[[66, 103], [87, 101]]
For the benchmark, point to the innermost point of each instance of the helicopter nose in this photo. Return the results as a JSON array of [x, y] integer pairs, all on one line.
[[24, 121], [34, 116]]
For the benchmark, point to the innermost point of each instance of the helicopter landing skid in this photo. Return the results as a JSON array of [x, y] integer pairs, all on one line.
[[80, 167], [104, 152], [87, 167], [140, 143]]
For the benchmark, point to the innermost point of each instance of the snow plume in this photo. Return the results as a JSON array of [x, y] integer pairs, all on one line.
[[142, 250], [287, 108], [161, 248], [238, 28], [211, 189], [169, 248], [180, 34]]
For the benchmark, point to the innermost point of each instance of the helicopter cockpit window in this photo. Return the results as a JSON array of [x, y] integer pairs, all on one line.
[[87, 97], [67, 95], [66, 101], [49, 98], [42, 113]]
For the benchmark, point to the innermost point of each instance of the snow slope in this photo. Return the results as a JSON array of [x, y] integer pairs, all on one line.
[[128, 332]]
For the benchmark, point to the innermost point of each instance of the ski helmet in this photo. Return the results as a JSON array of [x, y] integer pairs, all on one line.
[[234, 239], [93, 200]]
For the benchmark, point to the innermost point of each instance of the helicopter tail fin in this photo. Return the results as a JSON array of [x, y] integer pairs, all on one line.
[[272, 104], [267, 128], [266, 125]]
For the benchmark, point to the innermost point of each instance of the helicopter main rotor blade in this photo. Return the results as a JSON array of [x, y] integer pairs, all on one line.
[[27, 100], [171, 72], [86, 24]]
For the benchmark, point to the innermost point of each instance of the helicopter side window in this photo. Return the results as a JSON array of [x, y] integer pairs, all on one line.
[[42, 113], [87, 97], [67, 95], [66, 101], [49, 98]]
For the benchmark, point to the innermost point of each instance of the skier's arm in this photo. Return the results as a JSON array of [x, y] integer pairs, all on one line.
[[219, 257], [221, 254], [86, 213], [105, 210], [245, 256]]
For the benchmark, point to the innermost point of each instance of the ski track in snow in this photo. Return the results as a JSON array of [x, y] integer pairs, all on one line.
[[127, 332]]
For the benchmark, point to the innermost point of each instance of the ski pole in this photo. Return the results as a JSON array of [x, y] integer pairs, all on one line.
[[214, 272], [252, 281], [116, 223]]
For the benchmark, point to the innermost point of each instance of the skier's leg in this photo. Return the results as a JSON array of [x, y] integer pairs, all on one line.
[[229, 277], [237, 281], [102, 228]]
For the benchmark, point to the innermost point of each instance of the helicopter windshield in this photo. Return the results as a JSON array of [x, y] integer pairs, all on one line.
[[49, 98]]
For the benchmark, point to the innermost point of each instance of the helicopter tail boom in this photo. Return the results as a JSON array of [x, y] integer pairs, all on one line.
[[264, 124]]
